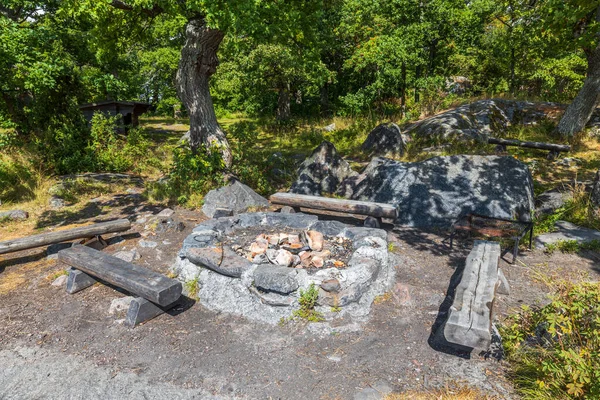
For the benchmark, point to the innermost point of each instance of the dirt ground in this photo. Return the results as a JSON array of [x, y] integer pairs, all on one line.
[[56, 345]]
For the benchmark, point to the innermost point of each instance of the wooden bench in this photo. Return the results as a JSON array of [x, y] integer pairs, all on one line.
[[45, 239], [495, 228], [554, 149], [469, 320], [375, 210], [155, 292]]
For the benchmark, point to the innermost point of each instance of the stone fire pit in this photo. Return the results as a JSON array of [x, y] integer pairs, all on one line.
[[255, 265]]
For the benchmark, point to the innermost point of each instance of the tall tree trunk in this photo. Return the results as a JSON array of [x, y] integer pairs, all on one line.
[[403, 90], [283, 104], [198, 62], [580, 110]]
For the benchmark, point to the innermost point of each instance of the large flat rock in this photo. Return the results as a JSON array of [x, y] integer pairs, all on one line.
[[567, 231], [437, 191], [236, 197]]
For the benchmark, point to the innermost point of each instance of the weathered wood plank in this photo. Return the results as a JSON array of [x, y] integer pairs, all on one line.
[[532, 145], [378, 210], [148, 284], [45, 239], [470, 316]]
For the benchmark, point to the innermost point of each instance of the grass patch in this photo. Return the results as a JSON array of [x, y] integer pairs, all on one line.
[[553, 351], [191, 288], [572, 246], [454, 392]]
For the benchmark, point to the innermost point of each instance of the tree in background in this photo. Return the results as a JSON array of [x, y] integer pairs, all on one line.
[[576, 24], [206, 24]]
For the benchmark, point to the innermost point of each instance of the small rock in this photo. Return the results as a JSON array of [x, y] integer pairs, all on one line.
[[287, 210], [56, 202], [222, 212], [132, 191], [284, 258], [295, 260], [60, 281], [167, 212], [259, 246], [331, 285], [128, 255], [14, 215], [147, 243], [120, 305], [260, 259], [315, 240], [317, 261]]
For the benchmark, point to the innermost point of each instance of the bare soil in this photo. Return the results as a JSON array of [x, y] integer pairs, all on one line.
[[55, 345]]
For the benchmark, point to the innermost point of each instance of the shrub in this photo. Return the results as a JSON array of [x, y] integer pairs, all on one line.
[[554, 351], [308, 301]]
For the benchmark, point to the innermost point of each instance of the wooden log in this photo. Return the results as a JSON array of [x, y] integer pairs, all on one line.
[[378, 210], [532, 145], [140, 281], [469, 321], [45, 239]]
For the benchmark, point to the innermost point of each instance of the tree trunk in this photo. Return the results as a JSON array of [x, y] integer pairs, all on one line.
[[198, 62], [283, 104], [580, 110]]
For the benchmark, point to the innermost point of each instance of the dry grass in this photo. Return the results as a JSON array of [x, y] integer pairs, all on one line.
[[17, 275], [448, 393]]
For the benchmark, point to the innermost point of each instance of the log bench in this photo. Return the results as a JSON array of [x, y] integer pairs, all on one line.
[[554, 149], [469, 322], [156, 293], [45, 239], [371, 209]]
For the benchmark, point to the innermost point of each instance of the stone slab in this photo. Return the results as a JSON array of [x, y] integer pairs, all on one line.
[[567, 231]]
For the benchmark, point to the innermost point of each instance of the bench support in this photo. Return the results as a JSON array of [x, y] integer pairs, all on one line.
[[141, 310], [78, 280]]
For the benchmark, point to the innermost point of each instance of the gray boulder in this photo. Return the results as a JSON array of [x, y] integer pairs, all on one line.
[[322, 172], [480, 119], [551, 200], [567, 231], [435, 192], [385, 140], [236, 197], [275, 278]]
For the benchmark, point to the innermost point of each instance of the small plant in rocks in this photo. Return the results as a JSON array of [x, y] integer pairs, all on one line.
[[308, 301]]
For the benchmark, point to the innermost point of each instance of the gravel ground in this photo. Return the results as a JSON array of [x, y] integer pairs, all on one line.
[[54, 345]]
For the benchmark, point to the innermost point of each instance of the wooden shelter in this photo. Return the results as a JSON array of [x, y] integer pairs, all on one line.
[[130, 110]]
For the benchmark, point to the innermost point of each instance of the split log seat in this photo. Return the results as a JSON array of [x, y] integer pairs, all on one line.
[[555, 149], [371, 209], [469, 322], [155, 292]]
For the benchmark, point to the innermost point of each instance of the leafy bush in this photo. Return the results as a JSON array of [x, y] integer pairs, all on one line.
[[112, 152], [554, 351]]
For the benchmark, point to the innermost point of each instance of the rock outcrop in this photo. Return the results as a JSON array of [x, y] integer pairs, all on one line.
[[385, 140], [435, 192], [322, 172], [236, 197]]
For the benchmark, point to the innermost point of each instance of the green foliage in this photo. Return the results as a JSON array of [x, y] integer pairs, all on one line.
[[110, 151], [572, 246], [308, 301], [554, 351]]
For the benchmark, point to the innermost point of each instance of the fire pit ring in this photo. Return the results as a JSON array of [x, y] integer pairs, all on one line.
[[225, 280]]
